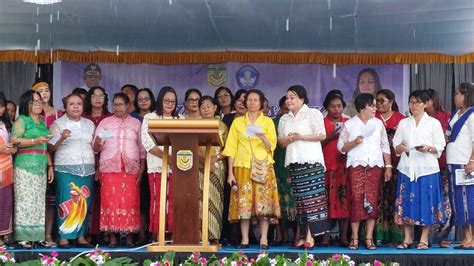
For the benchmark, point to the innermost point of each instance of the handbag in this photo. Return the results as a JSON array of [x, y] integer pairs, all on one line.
[[259, 168]]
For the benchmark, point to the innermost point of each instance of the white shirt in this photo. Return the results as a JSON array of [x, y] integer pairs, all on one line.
[[75, 154], [308, 121], [370, 151], [428, 132], [459, 151], [154, 163]]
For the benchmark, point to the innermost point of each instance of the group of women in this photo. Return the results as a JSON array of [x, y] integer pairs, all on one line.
[[377, 168]]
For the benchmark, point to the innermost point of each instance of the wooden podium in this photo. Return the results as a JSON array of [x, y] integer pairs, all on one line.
[[185, 137]]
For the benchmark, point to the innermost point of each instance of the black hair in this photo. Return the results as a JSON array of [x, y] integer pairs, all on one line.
[[25, 99], [260, 95], [423, 95], [391, 97], [333, 94], [434, 96], [121, 95], [378, 85], [206, 98], [362, 100], [467, 89], [152, 99], [216, 98], [12, 102], [131, 86], [238, 94], [161, 96], [188, 92], [88, 101], [5, 118], [79, 91], [300, 91], [282, 101]]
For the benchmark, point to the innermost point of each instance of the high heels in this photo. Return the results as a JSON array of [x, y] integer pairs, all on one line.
[[308, 245]]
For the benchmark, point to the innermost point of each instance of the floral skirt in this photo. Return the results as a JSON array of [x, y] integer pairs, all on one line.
[[419, 202], [120, 202], [252, 199]]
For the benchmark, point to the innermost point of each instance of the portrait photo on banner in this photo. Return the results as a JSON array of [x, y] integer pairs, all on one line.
[[272, 79]]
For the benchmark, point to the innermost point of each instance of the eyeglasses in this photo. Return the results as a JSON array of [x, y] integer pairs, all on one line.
[[94, 96], [414, 103], [223, 96], [144, 99], [169, 102], [191, 100], [37, 102]]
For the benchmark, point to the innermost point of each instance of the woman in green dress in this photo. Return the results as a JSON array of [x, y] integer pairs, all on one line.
[[32, 169], [287, 201], [207, 108]]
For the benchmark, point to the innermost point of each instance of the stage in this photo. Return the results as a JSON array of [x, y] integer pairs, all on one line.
[[431, 257]]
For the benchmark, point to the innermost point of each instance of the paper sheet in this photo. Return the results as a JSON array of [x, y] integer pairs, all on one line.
[[252, 130], [463, 179]]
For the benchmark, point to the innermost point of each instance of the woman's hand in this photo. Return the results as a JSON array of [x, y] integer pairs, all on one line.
[[388, 174], [50, 174], [261, 136], [401, 148], [7, 148], [468, 168], [359, 140], [424, 148], [333, 135], [231, 179], [42, 140], [65, 134]]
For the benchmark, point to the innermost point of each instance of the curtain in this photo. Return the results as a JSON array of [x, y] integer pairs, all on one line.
[[16, 78], [434, 76]]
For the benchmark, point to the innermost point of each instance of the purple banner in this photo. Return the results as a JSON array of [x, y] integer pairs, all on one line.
[[272, 79]]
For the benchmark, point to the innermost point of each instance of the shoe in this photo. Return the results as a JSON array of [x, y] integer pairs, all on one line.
[[47, 244], [25, 244], [354, 244], [243, 246], [343, 244], [84, 245], [64, 246], [112, 245], [405, 246], [370, 245], [263, 247], [422, 246], [468, 248], [444, 244]]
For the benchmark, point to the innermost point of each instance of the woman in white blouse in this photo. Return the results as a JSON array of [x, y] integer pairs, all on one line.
[[460, 155], [74, 166], [419, 140], [301, 132], [365, 141], [166, 103]]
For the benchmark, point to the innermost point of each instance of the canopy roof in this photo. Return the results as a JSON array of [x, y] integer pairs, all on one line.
[[334, 26]]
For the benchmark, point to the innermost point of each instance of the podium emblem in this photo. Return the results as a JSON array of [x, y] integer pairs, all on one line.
[[184, 160]]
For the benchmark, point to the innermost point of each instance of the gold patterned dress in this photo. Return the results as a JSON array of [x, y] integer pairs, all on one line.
[[216, 188]]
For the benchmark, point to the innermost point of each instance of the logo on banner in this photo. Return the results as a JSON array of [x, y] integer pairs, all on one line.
[[184, 160], [247, 77], [216, 75]]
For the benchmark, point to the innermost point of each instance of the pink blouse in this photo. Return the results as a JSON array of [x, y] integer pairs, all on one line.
[[123, 149]]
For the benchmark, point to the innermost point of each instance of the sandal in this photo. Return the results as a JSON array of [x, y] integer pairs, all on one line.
[[371, 245], [354, 244], [422, 246], [25, 244], [444, 244], [404, 245]]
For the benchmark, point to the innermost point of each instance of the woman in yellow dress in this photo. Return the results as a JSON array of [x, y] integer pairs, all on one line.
[[252, 138]]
